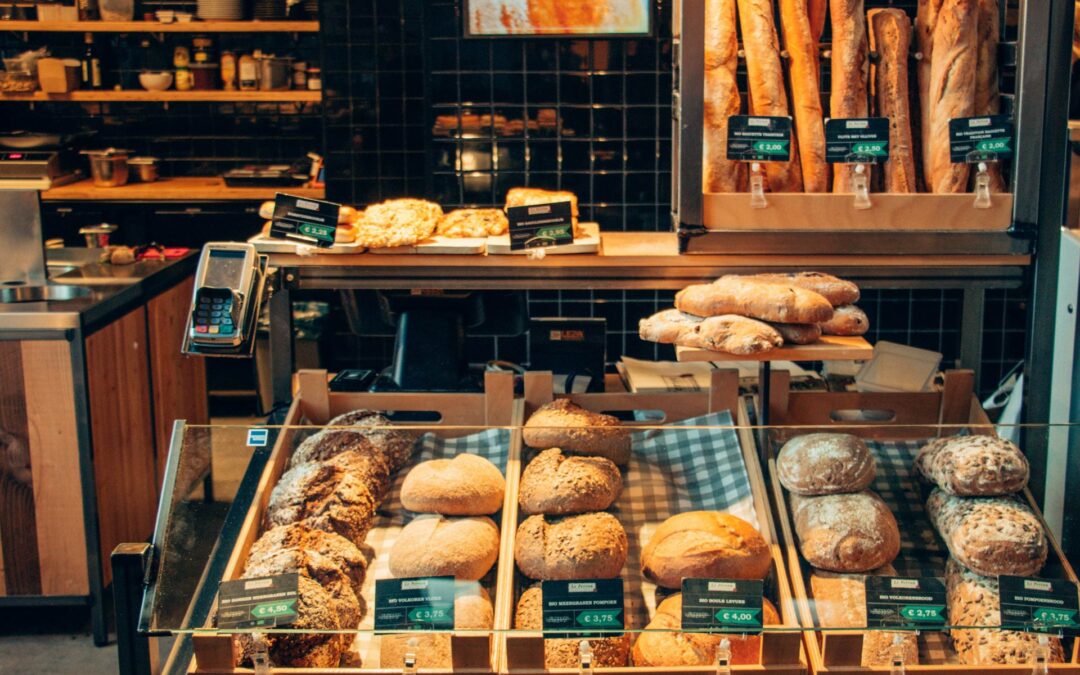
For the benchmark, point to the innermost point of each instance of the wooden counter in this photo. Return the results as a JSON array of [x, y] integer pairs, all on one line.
[[193, 189]]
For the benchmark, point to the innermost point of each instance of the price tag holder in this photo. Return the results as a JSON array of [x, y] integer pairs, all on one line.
[[261, 602], [1039, 605], [311, 221], [759, 139], [857, 140], [722, 605], [582, 608], [540, 225], [422, 603], [912, 603], [980, 139]]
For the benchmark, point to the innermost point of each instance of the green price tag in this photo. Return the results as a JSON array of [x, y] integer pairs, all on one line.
[[1038, 605], [418, 603], [581, 608], [719, 605], [739, 617], [993, 145], [912, 603], [433, 614], [778, 148], [316, 231], [597, 618], [260, 602], [871, 149], [271, 610], [932, 613], [1054, 617]]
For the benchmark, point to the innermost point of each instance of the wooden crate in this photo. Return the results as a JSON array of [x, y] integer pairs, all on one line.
[[461, 414], [892, 416], [524, 651]]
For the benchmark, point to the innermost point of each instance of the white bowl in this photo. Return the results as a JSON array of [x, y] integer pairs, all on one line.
[[184, 17], [159, 80]]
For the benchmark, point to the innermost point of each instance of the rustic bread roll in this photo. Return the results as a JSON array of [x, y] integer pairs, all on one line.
[[798, 333], [324, 496], [433, 546], [847, 532], [987, 91], [467, 485], [704, 544], [586, 546], [473, 223], [721, 97], [607, 652], [666, 647], [974, 466], [825, 464], [338, 549], [557, 485], [974, 601], [767, 301], [849, 70], [804, 61], [834, 289], [315, 611], [890, 37], [846, 320], [952, 89], [989, 535], [840, 602], [472, 611], [727, 333], [566, 425]]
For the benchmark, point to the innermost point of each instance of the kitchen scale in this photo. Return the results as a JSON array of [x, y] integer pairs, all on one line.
[[39, 161]]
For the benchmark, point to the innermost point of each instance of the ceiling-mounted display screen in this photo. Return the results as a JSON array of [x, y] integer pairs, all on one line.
[[497, 18]]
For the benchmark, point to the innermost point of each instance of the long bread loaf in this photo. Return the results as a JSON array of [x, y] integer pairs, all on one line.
[[987, 93], [952, 89], [850, 68], [890, 37], [925, 20], [782, 303], [805, 68], [721, 97]]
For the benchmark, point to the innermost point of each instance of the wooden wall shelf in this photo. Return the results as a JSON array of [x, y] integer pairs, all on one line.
[[188, 189], [114, 96], [158, 27]]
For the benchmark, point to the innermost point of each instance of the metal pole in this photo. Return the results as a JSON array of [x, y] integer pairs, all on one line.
[[129, 565], [281, 340]]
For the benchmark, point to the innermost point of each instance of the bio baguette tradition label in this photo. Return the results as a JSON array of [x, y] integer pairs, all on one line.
[[857, 140], [311, 221], [540, 225], [914, 603], [261, 602], [420, 603], [980, 139], [722, 605], [583, 607], [1039, 605], [759, 139]]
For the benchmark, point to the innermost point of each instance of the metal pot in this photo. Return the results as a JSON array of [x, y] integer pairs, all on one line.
[[109, 167], [146, 168]]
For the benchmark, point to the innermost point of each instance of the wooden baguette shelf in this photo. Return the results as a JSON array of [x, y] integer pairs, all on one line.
[[828, 348], [189, 189], [134, 95], [158, 27]]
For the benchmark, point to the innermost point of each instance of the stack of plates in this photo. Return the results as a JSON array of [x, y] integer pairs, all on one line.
[[221, 10], [270, 9]]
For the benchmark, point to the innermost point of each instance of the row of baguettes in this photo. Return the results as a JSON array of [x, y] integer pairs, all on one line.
[[956, 77]]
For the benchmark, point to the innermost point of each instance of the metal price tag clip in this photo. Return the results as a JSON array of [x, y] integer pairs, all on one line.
[[982, 187], [585, 654], [860, 184], [757, 187], [1042, 656], [723, 658], [409, 665], [897, 657], [260, 655], [536, 253]]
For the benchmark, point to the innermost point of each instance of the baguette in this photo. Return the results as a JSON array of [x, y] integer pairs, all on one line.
[[890, 37], [766, 78], [952, 89], [925, 20], [721, 97], [850, 69], [987, 93], [767, 301], [801, 44], [727, 333], [817, 10], [834, 289]]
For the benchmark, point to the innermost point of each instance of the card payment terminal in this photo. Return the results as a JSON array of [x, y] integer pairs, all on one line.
[[226, 286]]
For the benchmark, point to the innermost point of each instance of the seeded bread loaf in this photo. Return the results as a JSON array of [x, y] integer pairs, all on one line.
[[607, 652], [834, 289], [472, 611], [325, 496], [757, 299], [974, 466], [825, 463], [566, 425], [704, 544], [338, 549], [725, 333], [845, 532], [846, 320], [372, 434], [434, 546], [586, 546], [315, 611], [467, 485], [989, 535], [557, 485]]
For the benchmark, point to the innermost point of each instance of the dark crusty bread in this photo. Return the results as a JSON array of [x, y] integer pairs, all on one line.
[[974, 466], [566, 425], [607, 652], [825, 463], [727, 333], [372, 435], [707, 545], [845, 532], [434, 546], [755, 298], [557, 485], [585, 546], [316, 611], [834, 289], [337, 548], [466, 485], [325, 496], [989, 535], [721, 97], [846, 320]]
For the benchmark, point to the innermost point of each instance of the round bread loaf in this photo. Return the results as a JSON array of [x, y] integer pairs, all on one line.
[[707, 545], [472, 611], [563, 424], [665, 646], [326, 496], [607, 652], [846, 320], [974, 466], [340, 550], [847, 532], [557, 485], [825, 464], [990, 536], [586, 546], [467, 485], [433, 546], [315, 611]]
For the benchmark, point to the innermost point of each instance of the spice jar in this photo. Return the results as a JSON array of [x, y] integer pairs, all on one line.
[[203, 47], [181, 57], [314, 78], [228, 71], [185, 81], [248, 71]]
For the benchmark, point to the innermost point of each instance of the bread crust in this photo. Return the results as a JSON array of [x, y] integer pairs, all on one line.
[[987, 91], [473, 223], [846, 320], [853, 532], [608, 652], [952, 89], [397, 222], [563, 424], [804, 67], [825, 463], [325, 497], [728, 333], [466, 485], [834, 289], [767, 301], [338, 549], [974, 466], [890, 37], [704, 544], [989, 535], [557, 485], [722, 98], [586, 546], [849, 70], [315, 611], [798, 333], [434, 546]]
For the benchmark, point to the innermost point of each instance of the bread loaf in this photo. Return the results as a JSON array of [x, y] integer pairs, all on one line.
[[473, 223], [324, 496], [825, 463], [834, 289], [362, 431], [566, 425], [840, 602], [467, 485], [974, 466], [817, 10], [433, 546], [338, 549], [767, 301], [721, 97], [607, 652], [707, 545], [846, 532], [846, 320], [974, 601], [397, 222], [472, 611], [766, 82], [557, 485], [850, 70], [952, 89], [586, 546], [989, 535], [316, 611], [925, 20], [728, 333], [800, 42], [663, 645], [890, 37], [987, 91], [798, 333]]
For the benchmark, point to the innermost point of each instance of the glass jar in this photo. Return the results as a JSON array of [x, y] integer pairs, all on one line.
[[204, 76], [314, 78], [185, 81], [248, 71], [181, 57], [203, 50], [228, 71]]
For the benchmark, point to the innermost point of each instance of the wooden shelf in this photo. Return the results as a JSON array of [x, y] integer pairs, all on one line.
[[112, 95], [828, 348], [158, 27], [190, 189]]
